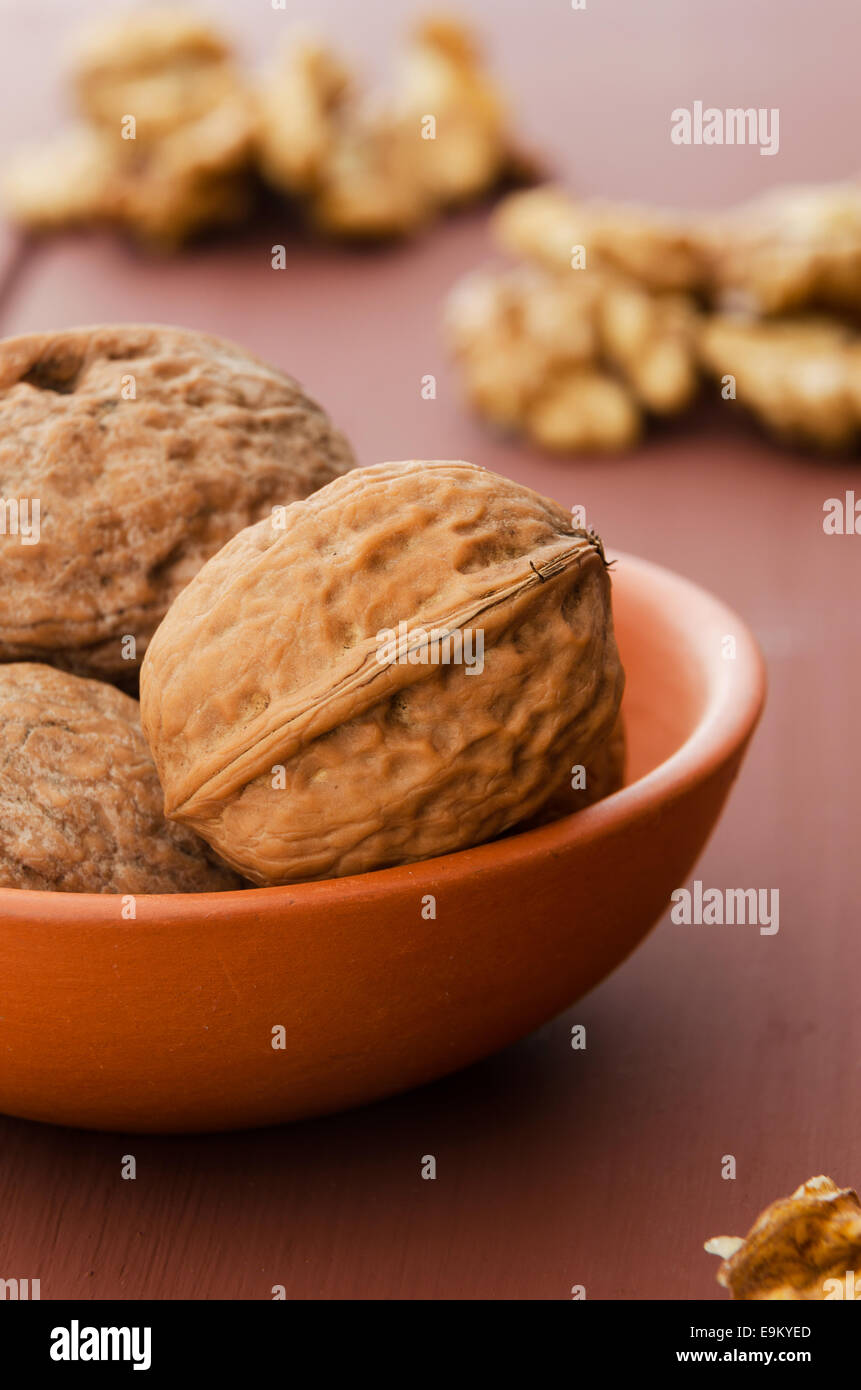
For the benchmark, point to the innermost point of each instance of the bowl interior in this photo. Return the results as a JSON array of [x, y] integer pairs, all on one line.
[[667, 669]]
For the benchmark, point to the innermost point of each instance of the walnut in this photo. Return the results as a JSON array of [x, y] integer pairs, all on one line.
[[518, 334], [301, 103], [67, 182], [195, 178], [572, 360], [165, 67], [372, 186], [795, 1246], [147, 448], [794, 248], [346, 154], [360, 162], [183, 167], [360, 165], [650, 339], [604, 773], [659, 251], [442, 75], [313, 699], [801, 376], [80, 801]]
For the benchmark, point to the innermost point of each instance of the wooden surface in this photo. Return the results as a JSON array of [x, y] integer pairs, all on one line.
[[555, 1167]]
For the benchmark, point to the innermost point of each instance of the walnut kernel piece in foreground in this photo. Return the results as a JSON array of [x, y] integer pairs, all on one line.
[[795, 1247], [302, 744]]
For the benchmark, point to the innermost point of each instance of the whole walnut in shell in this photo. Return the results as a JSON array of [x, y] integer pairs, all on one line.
[[147, 448], [604, 774], [80, 801], [304, 700]]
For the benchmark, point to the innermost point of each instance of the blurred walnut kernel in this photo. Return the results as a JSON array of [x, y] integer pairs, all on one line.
[[573, 361], [657, 250], [801, 377], [611, 316], [794, 248], [164, 66], [164, 146], [171, 134], [382, 164], [802, 1247]]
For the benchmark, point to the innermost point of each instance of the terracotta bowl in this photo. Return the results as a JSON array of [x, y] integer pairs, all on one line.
[[166, 1023]]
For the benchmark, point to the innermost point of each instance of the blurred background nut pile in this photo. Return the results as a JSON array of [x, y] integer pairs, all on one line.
[[614, 312], [370, 164], [172, 136], [787, 283], [575, 347], [164, 144]]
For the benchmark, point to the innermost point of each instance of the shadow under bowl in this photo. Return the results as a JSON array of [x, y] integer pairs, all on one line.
[[165, 1023]]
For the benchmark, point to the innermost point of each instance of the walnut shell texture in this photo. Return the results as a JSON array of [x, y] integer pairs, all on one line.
[[137, 491], [605, 774], [300, 749], [80, 801]]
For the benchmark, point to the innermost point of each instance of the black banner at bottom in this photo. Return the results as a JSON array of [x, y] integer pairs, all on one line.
[[159, 1339]]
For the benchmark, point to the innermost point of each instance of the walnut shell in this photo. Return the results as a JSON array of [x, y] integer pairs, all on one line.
[[605, 774], [80, 801], [299, 748], [136, 493]]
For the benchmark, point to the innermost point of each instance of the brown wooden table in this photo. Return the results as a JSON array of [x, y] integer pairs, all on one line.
[[555, 1167]]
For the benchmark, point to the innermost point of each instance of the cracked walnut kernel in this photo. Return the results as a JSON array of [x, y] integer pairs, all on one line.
[[800, 1248]]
